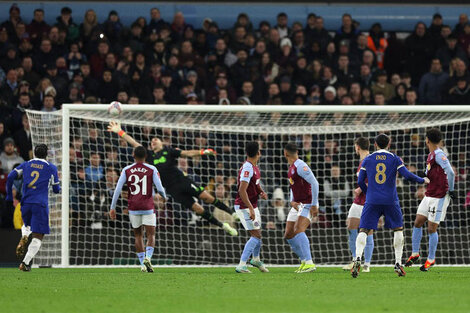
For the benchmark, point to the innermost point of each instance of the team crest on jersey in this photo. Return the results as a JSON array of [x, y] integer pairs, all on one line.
[[246, 174]]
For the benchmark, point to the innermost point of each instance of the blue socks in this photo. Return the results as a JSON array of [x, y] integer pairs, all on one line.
[[141, 256], [416, 239], [433, 240], [250, 246], [257, 250], [369, 249], [305, 246], [352, 242], [149, 252], [295, 245]]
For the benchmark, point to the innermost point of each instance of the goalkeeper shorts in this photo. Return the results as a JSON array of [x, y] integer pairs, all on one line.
[[185, 192]]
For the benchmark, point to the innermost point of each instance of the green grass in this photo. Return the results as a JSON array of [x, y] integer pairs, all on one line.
[[221, 290]]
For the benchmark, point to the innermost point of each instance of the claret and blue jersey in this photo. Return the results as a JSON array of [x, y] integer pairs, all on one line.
[[380, 169]]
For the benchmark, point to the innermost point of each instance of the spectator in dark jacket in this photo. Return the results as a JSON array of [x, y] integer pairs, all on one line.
[[432, 83], [420, 50], [38, 28], [449, 52], [460, 94], [44, 57]]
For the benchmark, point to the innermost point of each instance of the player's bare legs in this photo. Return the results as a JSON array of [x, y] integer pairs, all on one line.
[[33, 249], [210, 199], [150, 234], [139, 246], [205, 214], [416, 239]]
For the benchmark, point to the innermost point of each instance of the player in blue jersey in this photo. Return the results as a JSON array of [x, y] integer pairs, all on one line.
[[380, 169], [38, 175], [304, 202]]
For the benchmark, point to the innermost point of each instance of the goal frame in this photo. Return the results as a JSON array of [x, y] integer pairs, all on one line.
[[66, 108]]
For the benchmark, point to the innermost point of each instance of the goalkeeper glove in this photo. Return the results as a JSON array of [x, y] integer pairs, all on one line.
[[115, 127], [208, 152], [452, 195]]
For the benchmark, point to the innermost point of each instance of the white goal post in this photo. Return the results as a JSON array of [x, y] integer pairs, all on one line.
[[81, 234]]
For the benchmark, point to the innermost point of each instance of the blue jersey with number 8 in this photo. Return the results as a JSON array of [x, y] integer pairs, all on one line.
[[38, 175], [381, 169]]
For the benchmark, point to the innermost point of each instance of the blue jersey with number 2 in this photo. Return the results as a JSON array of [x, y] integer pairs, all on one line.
[[381, 169], [38, 175]]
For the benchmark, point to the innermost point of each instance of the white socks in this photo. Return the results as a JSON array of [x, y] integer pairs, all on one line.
[[360, 244], [32, 250], [25, 231], [398, 245]]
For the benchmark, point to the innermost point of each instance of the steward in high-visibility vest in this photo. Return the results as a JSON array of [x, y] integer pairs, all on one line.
[[377, 43]]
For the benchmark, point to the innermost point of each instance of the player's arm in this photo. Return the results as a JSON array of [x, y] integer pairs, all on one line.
[[361, 180], [408, 175], [196, 153], [14, 174], [55, 180], [307, 174], [117, 193], [115, 127], [442, 160], [244, 196], [158, 183]]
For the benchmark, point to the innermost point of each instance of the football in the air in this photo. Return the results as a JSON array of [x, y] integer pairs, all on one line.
[[115, 108]]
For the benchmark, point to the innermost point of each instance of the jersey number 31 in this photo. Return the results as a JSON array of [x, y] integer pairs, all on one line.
[[135, 181]]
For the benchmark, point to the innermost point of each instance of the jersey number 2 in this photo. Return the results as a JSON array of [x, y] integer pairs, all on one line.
[[137, 186], [35, 175], [380, 177]]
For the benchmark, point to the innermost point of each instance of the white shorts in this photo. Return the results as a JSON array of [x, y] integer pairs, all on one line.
[[244, 216], [139, 220], [355, 211], [434, 209], [293, 215]]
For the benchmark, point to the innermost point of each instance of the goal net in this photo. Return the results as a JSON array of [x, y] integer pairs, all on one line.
[[90, 160]]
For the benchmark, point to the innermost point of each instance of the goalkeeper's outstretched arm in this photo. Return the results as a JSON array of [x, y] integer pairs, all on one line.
[[196, 153], [115, 127]]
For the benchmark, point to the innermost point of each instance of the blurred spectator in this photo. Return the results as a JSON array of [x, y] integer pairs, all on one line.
[[377, 43], [9, 157], [431, 84], [420, 50], [460, 94], [337, 192], [382, 86], [38, 28], [459, 27], [451, 51], [23, 137], [282, 25]]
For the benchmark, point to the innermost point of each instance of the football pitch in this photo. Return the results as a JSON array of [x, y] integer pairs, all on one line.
[[443, 289]]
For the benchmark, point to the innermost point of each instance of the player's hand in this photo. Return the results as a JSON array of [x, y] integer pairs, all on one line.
[[314, 210], [426, 180], [452, 195], [263, 195], [114, 127], [208, 151], [295, 205], [252, 214], [357, 191], [112, 214]]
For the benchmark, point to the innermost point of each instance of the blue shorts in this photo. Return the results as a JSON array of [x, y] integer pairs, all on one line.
[[371, 214], [36, 216]]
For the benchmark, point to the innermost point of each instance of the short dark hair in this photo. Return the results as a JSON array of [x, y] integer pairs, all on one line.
[[40, 151], [382, 141], [252, 149], [434, 135], [363, 143], [291, 148], [140, 153]]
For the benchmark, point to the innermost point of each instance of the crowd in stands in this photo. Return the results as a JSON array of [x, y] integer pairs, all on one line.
[[162, 59]]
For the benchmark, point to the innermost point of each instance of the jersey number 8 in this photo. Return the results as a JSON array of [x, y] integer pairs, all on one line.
[[380, 177]]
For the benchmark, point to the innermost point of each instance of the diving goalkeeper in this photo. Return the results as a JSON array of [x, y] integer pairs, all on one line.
[[180, 187]]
